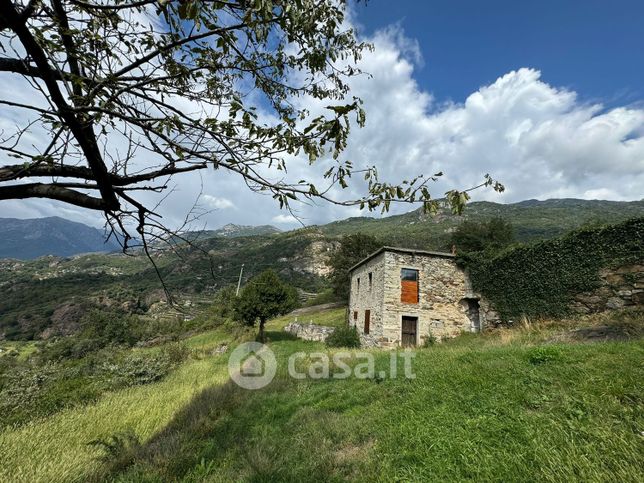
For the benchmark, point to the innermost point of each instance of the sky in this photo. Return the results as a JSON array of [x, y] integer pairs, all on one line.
[[547, 97]]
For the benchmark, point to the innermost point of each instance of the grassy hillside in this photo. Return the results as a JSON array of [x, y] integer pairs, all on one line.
[[532, 220], [68, 286], [530, 404]]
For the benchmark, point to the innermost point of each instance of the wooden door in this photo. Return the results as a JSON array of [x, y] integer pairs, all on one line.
[[367, 320], [409, 327]]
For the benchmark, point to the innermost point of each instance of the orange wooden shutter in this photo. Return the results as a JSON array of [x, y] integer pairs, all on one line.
[[409, 291]]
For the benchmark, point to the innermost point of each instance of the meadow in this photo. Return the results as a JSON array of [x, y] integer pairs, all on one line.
[[538, 402]]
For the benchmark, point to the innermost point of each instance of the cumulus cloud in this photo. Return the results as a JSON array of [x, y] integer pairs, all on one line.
[[538, 139], [284, 219], [217, 202]]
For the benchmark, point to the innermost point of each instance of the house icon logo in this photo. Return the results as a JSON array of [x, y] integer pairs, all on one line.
[[252, 365]]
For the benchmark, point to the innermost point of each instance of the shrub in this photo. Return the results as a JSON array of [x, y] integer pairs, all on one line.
[[490, 236], [344, 336], [543, 354], [175, 353], [429, 340]]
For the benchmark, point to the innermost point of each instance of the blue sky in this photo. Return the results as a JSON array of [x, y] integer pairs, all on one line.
[[593, 47]]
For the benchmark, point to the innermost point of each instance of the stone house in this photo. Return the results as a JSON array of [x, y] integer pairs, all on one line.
[[400, 296]]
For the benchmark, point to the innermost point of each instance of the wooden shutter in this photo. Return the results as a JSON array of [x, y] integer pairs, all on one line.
[[355, 315], [367, 320], [409, 286], [409, 292]]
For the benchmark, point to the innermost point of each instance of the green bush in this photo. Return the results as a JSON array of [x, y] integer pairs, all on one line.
[[37, 388], [543, 354], [429, 340], [344, 336]]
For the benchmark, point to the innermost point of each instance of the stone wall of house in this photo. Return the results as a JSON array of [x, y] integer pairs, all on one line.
[[619, 287], [309, 331], [441, 309], [364, 296]]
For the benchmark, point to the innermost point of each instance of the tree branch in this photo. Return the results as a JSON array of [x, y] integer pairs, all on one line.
[[51, 191]]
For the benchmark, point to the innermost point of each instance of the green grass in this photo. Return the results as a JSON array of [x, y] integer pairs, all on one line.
[[21, 350], [506, 406], [57, 448], [329, 317]]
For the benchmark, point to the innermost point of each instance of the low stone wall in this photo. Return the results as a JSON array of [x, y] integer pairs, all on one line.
[[313, 332], [619, 287]]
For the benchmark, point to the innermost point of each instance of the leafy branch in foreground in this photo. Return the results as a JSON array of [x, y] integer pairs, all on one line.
[[118, 97]]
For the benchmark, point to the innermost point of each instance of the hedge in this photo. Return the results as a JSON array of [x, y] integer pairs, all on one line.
[[541, 279]]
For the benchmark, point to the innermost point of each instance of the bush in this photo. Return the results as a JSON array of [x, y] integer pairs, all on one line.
[[344, 336], [541, 355], [490, 236], [429, 341]]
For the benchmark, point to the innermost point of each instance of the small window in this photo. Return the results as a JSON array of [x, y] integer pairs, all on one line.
[[367, 320], [370, 280], [355, 315], [358, 284], [409, 274]]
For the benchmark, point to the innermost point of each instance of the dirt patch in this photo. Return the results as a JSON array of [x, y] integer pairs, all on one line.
[[318, 308], [600, 333]]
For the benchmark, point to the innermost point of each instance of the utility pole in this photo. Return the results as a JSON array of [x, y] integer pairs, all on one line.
[[239, 282]]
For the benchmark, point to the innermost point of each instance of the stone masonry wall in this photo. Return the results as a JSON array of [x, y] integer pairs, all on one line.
[[309, 331], [619, 287], [440, 309], [365, 297]]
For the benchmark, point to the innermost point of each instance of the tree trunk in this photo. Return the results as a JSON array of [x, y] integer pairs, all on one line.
[[261, 330]]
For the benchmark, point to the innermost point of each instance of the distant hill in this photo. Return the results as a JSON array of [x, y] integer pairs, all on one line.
[[532, 220], [233, 231], [33, 238]]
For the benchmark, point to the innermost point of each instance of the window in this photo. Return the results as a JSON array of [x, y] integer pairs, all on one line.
[[370, 280], [355, 315], [358, 284], [367, 320], [409, 274], [409, 286]]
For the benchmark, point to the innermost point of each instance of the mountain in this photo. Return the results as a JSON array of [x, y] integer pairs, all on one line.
[[33, 238], [532, 220], [232, 231]]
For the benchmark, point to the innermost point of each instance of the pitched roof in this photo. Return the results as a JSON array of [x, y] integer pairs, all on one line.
[[409, 251]]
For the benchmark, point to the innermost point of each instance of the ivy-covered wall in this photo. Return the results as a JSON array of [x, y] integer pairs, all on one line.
[[542, 279]]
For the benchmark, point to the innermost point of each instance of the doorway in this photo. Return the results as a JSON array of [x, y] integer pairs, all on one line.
[[471, 307], [409, 331]]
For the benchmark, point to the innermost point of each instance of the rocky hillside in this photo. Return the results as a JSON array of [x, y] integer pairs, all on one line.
[[28, 239], [68, 287]]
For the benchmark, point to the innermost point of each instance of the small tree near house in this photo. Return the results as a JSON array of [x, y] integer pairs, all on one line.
[[353, 248], [264, 297]]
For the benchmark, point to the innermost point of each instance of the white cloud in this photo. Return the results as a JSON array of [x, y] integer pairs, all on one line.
[[538, 139], [217, 203], [285, 219]]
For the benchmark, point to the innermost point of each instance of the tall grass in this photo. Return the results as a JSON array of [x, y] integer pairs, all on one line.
[[533, 406]]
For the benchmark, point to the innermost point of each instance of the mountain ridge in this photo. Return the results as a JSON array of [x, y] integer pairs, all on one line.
[[532, 219], [26, 239]]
